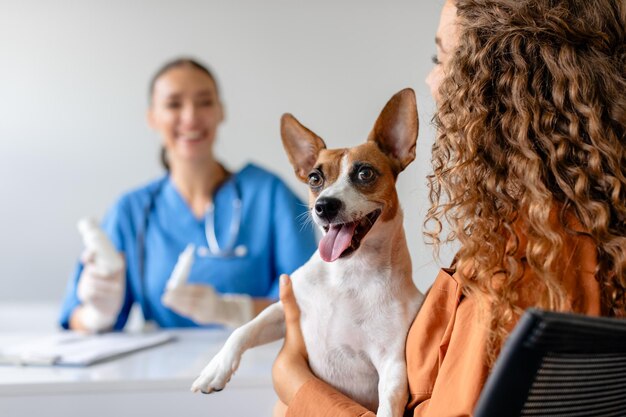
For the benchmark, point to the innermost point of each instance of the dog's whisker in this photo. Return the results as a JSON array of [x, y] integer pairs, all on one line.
[[304, 215], [305, 222]]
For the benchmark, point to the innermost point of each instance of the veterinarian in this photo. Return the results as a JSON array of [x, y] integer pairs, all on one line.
[[243, 228], [528, 169]]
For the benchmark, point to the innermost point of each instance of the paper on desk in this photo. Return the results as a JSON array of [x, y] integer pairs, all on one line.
[[76, 349]]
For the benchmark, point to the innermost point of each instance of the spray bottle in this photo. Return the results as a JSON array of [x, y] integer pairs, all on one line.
[[107, 259], [182, 268]]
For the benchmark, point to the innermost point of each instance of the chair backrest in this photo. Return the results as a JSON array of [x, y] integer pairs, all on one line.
[[556, 364]]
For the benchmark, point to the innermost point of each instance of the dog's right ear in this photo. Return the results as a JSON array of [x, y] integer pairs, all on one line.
[[302, 145]]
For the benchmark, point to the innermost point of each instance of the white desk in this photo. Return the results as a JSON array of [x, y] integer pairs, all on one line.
[[153, 383]]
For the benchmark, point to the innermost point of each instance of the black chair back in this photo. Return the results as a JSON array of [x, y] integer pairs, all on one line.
[[556, 364]]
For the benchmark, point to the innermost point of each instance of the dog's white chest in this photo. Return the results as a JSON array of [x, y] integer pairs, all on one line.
[[337, 326], [348, 334], [339, 345]]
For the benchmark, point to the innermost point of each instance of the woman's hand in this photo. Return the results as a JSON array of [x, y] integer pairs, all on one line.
[[291, 367], [203, 305], [101, 296]]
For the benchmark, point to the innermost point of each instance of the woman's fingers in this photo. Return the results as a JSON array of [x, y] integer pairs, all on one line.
[[199, 302], [291, 368], [290, 305], [293, 337], [87, 256]]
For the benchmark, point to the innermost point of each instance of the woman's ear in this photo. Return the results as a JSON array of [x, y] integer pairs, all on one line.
[[150, 118], [222, 112]]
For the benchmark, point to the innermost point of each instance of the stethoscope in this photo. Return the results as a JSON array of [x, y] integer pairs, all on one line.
[[212, 250]]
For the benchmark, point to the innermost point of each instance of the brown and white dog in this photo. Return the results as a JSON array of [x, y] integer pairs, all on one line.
[[356, 293]]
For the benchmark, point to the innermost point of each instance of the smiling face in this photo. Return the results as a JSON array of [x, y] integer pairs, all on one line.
[[446, 41], [186, 111]]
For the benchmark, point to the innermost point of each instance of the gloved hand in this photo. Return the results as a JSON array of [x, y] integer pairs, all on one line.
[[101, 293], [203, 305]]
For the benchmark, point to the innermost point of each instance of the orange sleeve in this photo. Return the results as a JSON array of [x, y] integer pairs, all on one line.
[[446, 361], [317, 399], [463, 369], [427, 336]]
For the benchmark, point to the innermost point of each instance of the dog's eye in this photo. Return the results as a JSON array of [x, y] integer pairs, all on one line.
[[366, 174], [315, 180]]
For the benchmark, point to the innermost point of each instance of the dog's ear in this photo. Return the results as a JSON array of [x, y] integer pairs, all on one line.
[[302, 145], [395, 130]]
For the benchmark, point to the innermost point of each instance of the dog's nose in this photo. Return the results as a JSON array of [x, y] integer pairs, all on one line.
[[328, 207]]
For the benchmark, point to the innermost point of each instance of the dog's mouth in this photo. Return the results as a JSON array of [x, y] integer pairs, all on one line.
[[343, 239]]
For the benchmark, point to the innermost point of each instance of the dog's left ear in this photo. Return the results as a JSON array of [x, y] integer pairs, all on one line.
[[395, 130]]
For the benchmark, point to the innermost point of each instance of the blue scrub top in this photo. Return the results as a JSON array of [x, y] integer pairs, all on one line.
[[273, 228]]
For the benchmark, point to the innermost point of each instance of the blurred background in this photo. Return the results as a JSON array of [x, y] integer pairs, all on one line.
[[73, 96]]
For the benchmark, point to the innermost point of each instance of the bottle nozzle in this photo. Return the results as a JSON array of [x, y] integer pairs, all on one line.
[[85, 224]]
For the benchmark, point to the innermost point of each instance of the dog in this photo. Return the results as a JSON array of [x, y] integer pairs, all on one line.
[[356, 293]]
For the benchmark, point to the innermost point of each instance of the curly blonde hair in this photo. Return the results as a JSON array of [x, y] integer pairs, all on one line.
[[532, 116]]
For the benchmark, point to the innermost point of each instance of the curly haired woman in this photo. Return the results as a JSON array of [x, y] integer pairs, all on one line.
[[529, 172]]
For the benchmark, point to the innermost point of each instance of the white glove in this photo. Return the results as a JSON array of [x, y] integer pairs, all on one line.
[[101, 294], [203, 305]]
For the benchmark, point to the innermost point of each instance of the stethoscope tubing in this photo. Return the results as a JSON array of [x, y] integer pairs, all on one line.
[[233, 234]]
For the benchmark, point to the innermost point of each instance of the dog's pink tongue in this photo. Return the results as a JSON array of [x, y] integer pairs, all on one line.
[[336, 240]]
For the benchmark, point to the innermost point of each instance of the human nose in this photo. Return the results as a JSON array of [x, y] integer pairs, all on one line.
[[189, 113], [429, 79]]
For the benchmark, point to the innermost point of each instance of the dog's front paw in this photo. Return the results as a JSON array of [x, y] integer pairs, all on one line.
[[217, 373]]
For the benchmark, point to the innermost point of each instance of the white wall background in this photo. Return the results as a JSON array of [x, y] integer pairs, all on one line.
[[73, 93]]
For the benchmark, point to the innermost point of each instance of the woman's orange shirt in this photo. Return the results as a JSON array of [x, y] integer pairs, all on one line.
[[446, 345]]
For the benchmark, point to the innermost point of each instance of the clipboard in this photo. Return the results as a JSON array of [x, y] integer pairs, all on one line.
[[77, 349]]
